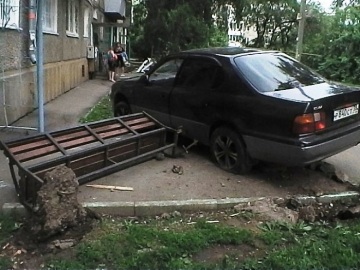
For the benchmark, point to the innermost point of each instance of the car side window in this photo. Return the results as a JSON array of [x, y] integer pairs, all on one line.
[[166, 71], [200, 73]]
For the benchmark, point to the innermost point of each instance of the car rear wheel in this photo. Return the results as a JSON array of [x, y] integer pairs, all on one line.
[[229, 152], [122, 108]]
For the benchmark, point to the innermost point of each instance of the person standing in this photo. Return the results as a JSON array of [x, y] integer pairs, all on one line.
[[119, 51], [112, 63]]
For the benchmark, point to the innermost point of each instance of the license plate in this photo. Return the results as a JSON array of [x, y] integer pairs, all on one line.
[[346, 112]]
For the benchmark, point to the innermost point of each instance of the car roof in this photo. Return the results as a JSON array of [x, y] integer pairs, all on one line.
[[226, 51]]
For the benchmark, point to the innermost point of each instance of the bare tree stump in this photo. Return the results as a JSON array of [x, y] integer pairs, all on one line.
[[57, 206]]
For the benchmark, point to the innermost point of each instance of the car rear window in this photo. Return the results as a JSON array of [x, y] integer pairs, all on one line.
[[275, 72]]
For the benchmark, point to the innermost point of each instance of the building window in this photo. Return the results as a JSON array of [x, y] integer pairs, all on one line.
[[72, 18], [102, 30], [9, 14], [86, 22], [50, 16]]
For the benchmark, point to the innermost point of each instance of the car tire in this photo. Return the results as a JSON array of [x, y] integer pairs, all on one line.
[[122, 108], [229, 152]]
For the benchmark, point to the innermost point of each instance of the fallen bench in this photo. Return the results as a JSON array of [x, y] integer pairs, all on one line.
[[91, 150]]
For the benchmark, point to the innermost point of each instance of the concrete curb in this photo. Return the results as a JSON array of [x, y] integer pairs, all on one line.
[[152, 208]]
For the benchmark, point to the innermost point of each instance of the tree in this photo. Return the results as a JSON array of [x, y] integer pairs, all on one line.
[[330, 41], [316, 38], [342, 55], [170, 26], [136, 32], [274, 22]]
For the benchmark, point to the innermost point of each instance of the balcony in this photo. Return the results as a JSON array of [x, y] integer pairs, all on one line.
[[115, 9]]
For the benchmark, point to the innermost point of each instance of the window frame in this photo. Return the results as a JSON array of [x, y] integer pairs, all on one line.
[[50, 26], [86, 33], [166, 75], [12, 7], [197, 65], [72, 18]]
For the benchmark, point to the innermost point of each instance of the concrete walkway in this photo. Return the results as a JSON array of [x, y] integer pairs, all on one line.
[[62, 112]]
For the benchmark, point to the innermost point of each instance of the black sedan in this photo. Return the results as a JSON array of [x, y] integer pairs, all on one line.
[[247, 105]]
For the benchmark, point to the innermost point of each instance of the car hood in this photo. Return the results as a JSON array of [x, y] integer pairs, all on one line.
[[312, 92], [132, 79], [126, 83]]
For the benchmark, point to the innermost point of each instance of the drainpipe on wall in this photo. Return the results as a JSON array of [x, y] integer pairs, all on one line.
[[32, 31], [40, 64]]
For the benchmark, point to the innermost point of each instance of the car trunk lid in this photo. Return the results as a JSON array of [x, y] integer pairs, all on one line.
[[340, 103]]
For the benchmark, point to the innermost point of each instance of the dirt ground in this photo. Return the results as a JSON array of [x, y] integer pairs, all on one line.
[[200, 179], [28, 252]]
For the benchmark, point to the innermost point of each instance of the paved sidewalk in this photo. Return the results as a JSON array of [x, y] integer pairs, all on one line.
[[62, 112]]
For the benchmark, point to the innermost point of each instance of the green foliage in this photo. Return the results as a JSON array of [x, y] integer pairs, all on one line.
[[164, 26], [138, 246], [185, 30], [102, 110], [5, 263], [334, 45], [8, 224], [218, 37], [331, 41], [172, 244], [336, 248], [136, 33], [170, 26], [318, 246], [274, 22]]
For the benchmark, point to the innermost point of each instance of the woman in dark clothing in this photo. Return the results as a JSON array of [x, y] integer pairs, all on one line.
[[112, 63], [119, 50]]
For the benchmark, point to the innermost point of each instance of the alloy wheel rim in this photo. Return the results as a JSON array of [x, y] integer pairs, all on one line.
[[122, 111], [225, 152]]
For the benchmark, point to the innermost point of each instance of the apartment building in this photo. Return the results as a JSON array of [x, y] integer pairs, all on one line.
[[75, 32]]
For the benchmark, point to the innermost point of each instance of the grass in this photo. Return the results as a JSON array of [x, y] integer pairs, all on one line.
[[155, 244], [175, 243], [151, 246], [7, 226], [102, 110]]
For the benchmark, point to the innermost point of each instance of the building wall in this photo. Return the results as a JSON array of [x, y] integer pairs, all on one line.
[[65, 63], [239, 32]]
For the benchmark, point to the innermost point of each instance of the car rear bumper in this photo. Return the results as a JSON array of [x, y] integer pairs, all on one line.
[[293, 155]]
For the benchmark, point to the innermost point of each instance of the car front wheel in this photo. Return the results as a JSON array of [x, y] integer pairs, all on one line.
[[229, 152], [122, 108]]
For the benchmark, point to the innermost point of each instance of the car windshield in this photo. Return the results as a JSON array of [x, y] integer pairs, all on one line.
[[275, 72]]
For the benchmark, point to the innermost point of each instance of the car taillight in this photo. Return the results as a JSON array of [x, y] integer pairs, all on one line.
[[308, 123]]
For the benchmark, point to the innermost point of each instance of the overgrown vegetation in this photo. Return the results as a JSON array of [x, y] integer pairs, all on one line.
[[330, 40], [8, 225], [178, 244], [337, 44], [102, 110], [220, 240]]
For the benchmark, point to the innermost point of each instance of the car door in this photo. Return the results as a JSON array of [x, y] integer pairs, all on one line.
[[193, 102], [153, 96]]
